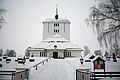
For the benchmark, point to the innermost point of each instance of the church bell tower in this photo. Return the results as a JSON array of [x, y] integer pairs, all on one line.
[[60, 26]]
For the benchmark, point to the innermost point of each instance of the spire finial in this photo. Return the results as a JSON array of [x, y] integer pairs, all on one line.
[[56, 16], [56, 10]]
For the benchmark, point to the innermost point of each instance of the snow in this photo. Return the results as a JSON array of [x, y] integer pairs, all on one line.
[[54, 20], [55, 69], [60, 45], [113, 66], [56, 37], [98, 56], [12, 65], [58, 69], [110, 79]]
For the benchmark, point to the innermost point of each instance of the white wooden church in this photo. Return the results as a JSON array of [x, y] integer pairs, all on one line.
[[56, 40]]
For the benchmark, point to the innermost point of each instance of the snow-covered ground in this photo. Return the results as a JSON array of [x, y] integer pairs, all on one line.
[[65, 69], [57, 69], [110, 79], [12, 64]]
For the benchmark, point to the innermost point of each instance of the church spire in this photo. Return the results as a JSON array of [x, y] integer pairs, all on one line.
[[56, 16]]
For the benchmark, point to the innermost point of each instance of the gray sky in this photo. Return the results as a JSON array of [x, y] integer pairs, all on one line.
[[25, 17]]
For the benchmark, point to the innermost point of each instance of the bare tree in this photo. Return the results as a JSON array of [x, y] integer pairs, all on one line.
[[10, 53], [27, 54], [2, 18], [105, 21], [1, 52], [86, 50], [98, 52]]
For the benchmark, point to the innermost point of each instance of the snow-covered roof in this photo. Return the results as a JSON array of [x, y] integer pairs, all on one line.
[[62, 20], [98, 56], [66, 45], [41, 45], [56, 37], [57, 40], [88, 56], [60, 45], [36, 49]]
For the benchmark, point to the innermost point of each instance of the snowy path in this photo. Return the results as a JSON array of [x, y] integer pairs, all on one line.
[[55, 69], [65, 69]]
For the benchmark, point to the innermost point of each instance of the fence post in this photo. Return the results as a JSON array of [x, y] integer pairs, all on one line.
[[76, 74], [12, 76], [43, 62], [110, 75], [46, 60]]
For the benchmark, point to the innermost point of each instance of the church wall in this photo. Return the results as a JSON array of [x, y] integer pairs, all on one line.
[[64, 30], [47, 30], [37, 53], [41, 53], [60, 52], [34, 53], [76, 53]]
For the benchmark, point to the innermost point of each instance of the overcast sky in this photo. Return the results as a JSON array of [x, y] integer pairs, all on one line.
[[24, 26]]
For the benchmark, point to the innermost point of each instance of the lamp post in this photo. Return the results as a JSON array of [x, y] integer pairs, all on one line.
[[81, 60]]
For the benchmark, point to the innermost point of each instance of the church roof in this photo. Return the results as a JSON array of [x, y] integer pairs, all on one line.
[[66, 45], [63, 20], [57, 40], [60, 45], [56, 37]]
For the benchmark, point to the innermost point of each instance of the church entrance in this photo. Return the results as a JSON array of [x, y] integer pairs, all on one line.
[[55, 54]]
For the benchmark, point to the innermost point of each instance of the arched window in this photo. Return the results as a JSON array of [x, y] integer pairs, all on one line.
[[70, 54], [65, 54], [21, 76], [40, 54], [44, 54]]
